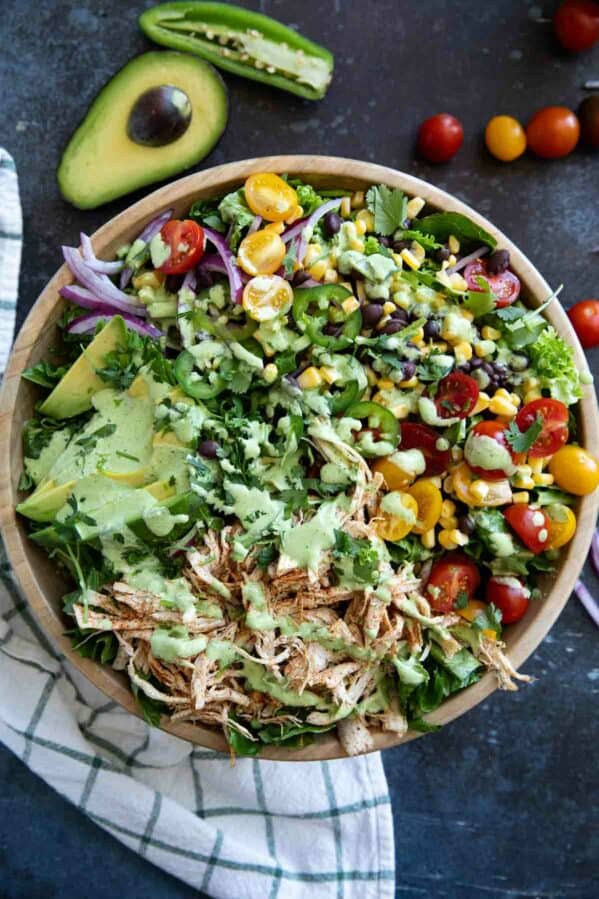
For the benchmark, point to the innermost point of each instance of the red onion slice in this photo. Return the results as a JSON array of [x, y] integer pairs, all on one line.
[[212, 262], [294, 231], [98, 265], [80, 296], [311, 223], [462, 263], [233, 272], [255, 224], [87, 323], [594, 554], [150, 231], [588, 601]]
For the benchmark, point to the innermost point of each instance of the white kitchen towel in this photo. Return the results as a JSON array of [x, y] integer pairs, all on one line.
[[258, 830]]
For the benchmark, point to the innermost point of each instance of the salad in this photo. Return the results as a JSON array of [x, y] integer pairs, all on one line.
[[304, 454]]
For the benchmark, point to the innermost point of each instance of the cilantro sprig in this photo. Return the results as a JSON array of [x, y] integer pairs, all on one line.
[[522, 441]]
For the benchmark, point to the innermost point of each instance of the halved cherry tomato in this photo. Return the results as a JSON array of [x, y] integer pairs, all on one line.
[[531, 525], [505, 286], [261, 253], [575, 470], [390, 526], [553, 132], [269, 196], [430, 501], [511, 597], [563, 525], [417, 436], [498, 493], [554, 432], [440, 137], [266, 296], [576, 24], [585, 318], [496, 430], [456, 396], [394, 476], [455, 573], [186, 241]]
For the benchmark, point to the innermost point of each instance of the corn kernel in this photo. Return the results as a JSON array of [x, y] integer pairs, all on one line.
[[364, 215], [479, 489], [543, 480], [382, 322], [360, 227], [414, 207], [484, 348], [357, 199], [490, 333], [277, 227], [482, 403], [448, 484], [536, 465], [523, 483], [499, 405], [453, 244], [467, 314], [531, 395], [385, 384], [309, 378], [410, 260], [448, 507], [318, 270], [356, 244], [270, 373], [371, 375], [428, 539], [296, 213], [148, 279], [331, 276], [418, 251], [458, 537], [462, 352], [329, 373], [448, 522], [389, 307], [457, 283], [457, 453], [522, 497], [401, 410], [345, 207], [436, 481], [361, 291], [530, 382], [313, 252], [350, 305], [515, 399], [411, 382], [397, 259], [451, 260], [446, 540]]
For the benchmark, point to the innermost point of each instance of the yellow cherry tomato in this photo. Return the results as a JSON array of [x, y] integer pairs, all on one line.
[[396, 516], [475, 491], [395, 477], [429, 501], [563, 525], [269, 196], [261, 253], [505, 138], [575, 470], [472, 610], [266, 297]]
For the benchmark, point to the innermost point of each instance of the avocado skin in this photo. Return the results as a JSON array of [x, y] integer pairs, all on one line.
[[101, 162], [73, 393]]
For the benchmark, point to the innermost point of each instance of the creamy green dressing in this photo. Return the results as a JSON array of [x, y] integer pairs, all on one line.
[[38, 469], [411, 461], [428, 413], [160, 521], [305, 543], [392, 504], [159, 251], [175, 643], [483, 451]]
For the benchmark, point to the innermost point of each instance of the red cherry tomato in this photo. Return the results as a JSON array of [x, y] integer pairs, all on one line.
[[455, 573], [588, 116], [576, 24], [554, 432], [417, 436], [497, 431], [585, 318], [531, 525], [456, 396], [186, 242], [440, 137], [553, 132], [505, 286], [510, 596]]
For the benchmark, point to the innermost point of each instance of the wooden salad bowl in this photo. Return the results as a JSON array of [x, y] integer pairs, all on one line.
[[43, 584]]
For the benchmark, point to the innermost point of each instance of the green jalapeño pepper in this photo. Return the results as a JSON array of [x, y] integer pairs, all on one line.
[[243, 42], [229, 332], [311, 308], [381, 436], [190, 381], [350, 395]]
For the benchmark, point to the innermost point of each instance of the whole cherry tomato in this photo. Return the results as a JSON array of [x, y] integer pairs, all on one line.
[[576, 24], [531, 525], [505, 286], [553, 132], [455, 573], [510, 596], [456, 396], [495, 430], [505, 138], [554, 421], [419, 436], [585, 319], [186, 241], [575, 470], [588, 115], [440, 137]]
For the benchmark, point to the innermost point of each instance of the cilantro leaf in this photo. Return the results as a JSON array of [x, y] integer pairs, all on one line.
[[45, 374], [372, 246], [521, 441], [488, 619], [388, 205], [461, 600], [480, 302], [363, 554], [442, 224], [205, 212], [234, 210], [425, 240]]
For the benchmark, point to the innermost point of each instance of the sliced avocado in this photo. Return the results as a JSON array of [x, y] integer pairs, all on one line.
[[188, 503], [115, 151], [46, 502], [73, 393]]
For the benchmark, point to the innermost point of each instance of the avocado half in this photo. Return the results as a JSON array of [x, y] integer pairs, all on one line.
[[102, 161]]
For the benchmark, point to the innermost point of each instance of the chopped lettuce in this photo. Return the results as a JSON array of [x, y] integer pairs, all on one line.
[[553, 361], [235, 211]]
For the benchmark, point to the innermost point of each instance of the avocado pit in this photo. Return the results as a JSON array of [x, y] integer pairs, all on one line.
[[159, 116]]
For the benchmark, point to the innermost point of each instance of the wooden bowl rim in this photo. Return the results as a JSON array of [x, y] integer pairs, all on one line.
[[522, 640]]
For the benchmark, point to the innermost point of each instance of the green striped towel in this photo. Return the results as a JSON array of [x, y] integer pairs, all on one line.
[[257, 830]]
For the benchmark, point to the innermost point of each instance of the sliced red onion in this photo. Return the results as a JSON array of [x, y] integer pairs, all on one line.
[[588, 601], [88, 300], [233, 272], [87, 323], [104, 290], [311, 223], [98, 265], [189, 281], [462, 263], [150, 231], [294, 231], [255, 224], [595, 552], [212, 262]]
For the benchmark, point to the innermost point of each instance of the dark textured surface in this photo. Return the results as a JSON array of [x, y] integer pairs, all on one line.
[[501, 802]]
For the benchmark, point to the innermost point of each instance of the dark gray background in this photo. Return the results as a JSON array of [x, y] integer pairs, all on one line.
[[500, 803]]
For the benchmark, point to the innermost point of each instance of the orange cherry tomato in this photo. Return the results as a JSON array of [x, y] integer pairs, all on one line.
[[429, 501], [505, 138], [393, 526], [186, 242], [266, 297], [261, 253], [562, 525], [576, 24], [585, 318], [394, 476], [575, 470], [269, 196], [553, 132], [465, 483], [471, 611]]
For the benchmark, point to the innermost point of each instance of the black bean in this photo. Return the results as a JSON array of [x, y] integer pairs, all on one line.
[[332, 330], [393, 326], [208, 449], [408, 370], [173, 283], [464, 367], [442, 255], [401, 315], [432, 329], [466, 524], [332, 223], [498, 262], [488, 367], [300, 277], [475, 362], [204, 279], [407, 224], [371, 314], [384, 241], [399, 245]]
